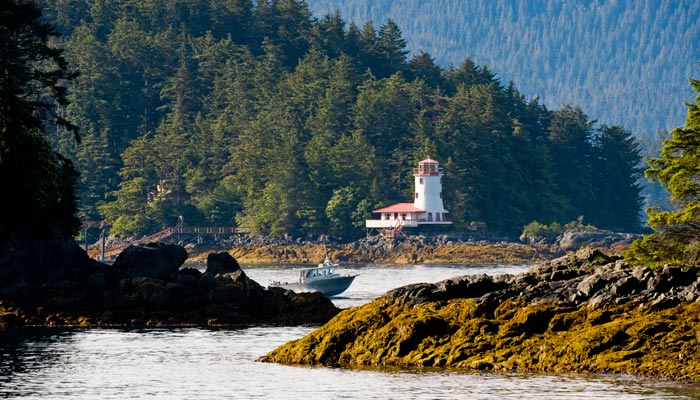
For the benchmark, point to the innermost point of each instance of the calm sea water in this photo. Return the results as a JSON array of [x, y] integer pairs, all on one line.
[[220, 364]]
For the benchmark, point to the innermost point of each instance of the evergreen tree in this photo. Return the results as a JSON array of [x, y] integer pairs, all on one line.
[[391, 48], [232, 19], [292, 125], [653, 193], [39, 183], [422, 66], [130, 209], [383, 114], [340, 211], [677, 230], [329, 35], [616, 172], [461, 139], [368, 51], [97, 174], [571, 135], [469, 74]]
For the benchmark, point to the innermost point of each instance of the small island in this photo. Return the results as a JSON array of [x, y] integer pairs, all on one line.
[[586, 311], [634, 313]]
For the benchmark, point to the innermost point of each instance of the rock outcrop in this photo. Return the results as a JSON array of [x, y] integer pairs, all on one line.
[[596, 238], [583, 312], [448, 249], [56, 284], [151, 260]]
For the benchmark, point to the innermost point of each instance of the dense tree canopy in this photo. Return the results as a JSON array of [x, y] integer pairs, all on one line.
[[234, 113], [38, 184], [624, 62]]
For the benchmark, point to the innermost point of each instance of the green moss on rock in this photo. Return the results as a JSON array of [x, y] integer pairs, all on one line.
[[541, 336]]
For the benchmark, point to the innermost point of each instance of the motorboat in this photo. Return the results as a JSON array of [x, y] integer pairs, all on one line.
[[322, 278]]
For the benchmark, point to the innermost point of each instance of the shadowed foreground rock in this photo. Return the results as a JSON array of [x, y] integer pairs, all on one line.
[[54, 283], [583, 312]]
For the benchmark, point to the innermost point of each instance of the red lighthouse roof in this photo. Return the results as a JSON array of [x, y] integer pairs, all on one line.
[[428, 167], [399, 208], [428, 161]]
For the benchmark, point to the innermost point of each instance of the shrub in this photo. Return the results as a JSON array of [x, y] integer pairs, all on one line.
[[537, 232]]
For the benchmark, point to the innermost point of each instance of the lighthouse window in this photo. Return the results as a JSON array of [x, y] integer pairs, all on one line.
[[416, 194], [420, 180]]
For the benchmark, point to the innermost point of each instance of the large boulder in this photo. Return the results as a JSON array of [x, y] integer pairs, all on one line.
[[574, 240], [51, 272], [221, 263], [25, 260], [152, 260]]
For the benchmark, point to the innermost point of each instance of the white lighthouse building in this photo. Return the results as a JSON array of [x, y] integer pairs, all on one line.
[[426, 209]]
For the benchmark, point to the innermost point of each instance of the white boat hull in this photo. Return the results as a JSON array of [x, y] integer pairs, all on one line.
[[328, 287]]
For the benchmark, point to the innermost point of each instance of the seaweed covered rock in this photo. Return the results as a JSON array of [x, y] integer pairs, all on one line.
[[584, 312]]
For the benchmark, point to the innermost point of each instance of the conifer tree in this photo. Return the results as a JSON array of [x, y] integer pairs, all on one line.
[[615, 174], [38, 183], [678, 168], [570, 135]]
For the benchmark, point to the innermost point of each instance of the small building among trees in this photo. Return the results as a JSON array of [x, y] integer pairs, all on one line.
[[427, 207]]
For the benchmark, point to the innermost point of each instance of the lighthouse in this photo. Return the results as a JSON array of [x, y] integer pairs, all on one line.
[[427, 207], [428, 193]]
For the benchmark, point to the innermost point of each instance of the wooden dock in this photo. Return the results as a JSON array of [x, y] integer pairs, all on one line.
[[102, 251]]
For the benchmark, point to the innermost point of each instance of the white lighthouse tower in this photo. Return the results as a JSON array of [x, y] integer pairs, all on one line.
[[426, 209], [428, 194]]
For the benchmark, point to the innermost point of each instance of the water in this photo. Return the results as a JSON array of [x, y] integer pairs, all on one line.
[[220, 364], [375, 279]]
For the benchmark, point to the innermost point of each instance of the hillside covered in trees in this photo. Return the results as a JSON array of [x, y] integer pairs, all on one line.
[[625, 62], [260, 115]]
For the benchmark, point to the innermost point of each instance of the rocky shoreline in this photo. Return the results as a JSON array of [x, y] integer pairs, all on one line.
[[53, 283], [587, 311], [440, 249], [447, 248]]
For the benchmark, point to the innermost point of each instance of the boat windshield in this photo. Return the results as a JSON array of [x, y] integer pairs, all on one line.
[[316, 272]]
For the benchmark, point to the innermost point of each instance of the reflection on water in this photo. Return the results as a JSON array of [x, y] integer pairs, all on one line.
[[220, 364]]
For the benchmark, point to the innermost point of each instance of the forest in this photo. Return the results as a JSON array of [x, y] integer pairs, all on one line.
[[262, 116], [625, 62]]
